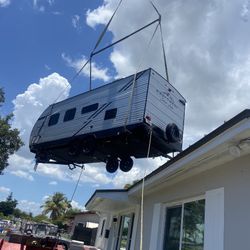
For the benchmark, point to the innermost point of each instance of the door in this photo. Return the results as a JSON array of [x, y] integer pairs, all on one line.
[[125, 232]]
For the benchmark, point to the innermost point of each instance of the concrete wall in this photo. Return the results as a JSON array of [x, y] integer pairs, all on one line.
[[234, 177], [83, 218]]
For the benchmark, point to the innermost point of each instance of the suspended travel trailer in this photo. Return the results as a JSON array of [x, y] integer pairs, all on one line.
[[101, 126], [139, 116]]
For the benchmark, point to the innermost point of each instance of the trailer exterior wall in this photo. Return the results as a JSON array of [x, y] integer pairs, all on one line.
[[164, 103], [116, 95]]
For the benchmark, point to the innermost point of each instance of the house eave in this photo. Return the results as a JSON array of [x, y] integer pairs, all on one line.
[[109, 200], [210, 154]]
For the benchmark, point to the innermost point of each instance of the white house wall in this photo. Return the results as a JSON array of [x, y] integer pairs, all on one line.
[[234, 177]]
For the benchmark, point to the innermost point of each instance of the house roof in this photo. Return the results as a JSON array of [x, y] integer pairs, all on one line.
[[188, 151]]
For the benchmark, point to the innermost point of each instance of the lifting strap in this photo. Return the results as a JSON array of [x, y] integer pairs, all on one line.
[[134, 78], [142, 194]]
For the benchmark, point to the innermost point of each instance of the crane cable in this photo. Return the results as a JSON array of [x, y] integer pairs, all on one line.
[[91, 54], [77, 183], [134, 78]]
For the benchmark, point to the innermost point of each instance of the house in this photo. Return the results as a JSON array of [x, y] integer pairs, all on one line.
[[197, 200], [84, 227]]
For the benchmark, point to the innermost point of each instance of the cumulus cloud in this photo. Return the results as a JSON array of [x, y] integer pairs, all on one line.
[[76, 21], [4, 190], [28, 106], [101, 15], [40, 5], [29, 207], [53, 183], [97, 71], [141, 168], [23, 174], [207, 63], [4, 3], [76, 205]]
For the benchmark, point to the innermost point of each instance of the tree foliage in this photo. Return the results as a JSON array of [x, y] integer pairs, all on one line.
[[10, 140], [56, 205], [8, 206]]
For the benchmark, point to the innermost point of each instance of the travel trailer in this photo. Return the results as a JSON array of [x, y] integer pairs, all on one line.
[[112, 123]]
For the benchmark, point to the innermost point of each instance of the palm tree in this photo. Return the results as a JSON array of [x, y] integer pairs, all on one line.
[[56, 205]]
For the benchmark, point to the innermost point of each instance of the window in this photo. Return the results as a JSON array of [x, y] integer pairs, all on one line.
[[53, 120], [80, 225], [69, 115], [125, 232], [90, 108], [110, 114], [185, 226], [103, 224]]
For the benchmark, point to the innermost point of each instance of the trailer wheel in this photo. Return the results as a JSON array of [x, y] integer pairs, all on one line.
[[173, 133], [112, 164], [126, 164]]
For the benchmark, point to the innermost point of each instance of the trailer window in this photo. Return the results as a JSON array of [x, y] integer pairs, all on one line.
[[90, 108], [110, 114], [53, 120], [69, 115]]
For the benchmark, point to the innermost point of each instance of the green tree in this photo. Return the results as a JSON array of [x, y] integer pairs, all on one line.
[[10, 140], [56, 205], [18, 213], [7, 207], [41, 218]]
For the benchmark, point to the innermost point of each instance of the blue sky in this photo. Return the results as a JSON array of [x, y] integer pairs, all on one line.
[[44, 42], [34, 35]]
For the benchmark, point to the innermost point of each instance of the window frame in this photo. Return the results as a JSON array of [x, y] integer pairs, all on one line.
[[94, 105], [53, 115], [174, 204], [66, 114], [102, 227], [121, 221], [110, 116]]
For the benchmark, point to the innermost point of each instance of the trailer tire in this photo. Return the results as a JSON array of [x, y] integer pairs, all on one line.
[[112, 165], [173, 133], [126, 164], [28, 231]]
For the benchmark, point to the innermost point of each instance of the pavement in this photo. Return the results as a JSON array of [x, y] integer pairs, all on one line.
[[4, 245]]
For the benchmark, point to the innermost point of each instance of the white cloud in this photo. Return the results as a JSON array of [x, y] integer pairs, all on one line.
[[28, 106], [29, 206], [53, 183], [141, 168], [76, 21], [40, 5], [207, 63], [4, 190], [245, 10], [22, 174], [76, 205], [4, 3], [101, 15], [97, 71]]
